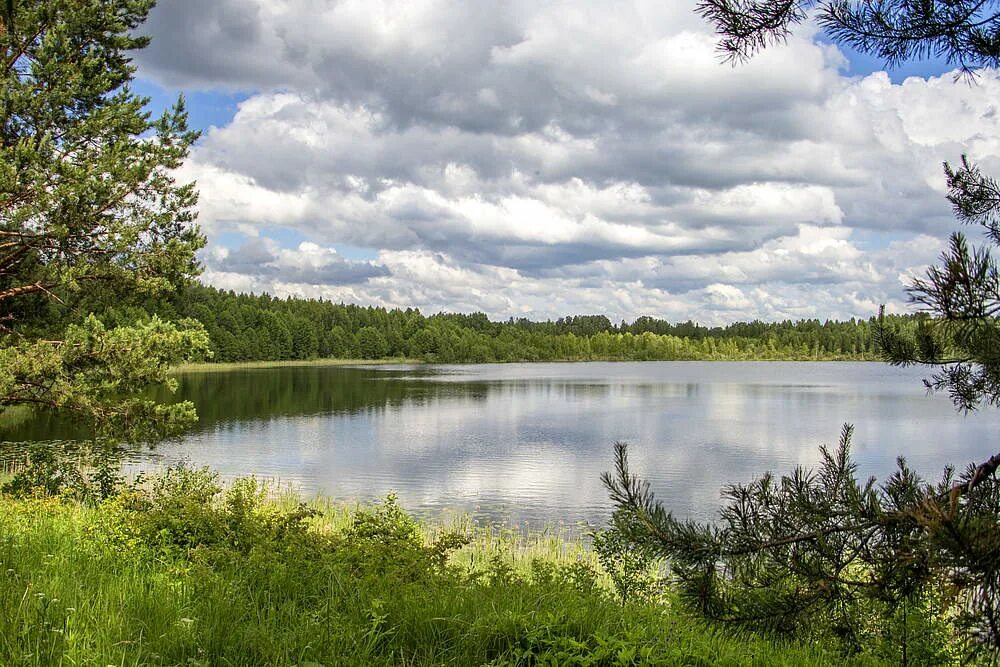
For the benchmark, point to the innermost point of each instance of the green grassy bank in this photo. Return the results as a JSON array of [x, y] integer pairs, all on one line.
[[211, 366], [181, 572]]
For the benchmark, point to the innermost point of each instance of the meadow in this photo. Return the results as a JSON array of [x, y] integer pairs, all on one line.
[[176, 569]]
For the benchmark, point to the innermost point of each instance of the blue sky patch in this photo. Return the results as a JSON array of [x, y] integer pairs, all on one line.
[[205, 108]]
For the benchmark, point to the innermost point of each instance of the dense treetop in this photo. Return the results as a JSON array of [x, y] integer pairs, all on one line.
[[89, 210]]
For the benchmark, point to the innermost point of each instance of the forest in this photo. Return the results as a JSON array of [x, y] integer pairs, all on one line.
[[248, 327]]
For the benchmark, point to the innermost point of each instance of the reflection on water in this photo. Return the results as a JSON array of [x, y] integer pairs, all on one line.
[[527, 442]]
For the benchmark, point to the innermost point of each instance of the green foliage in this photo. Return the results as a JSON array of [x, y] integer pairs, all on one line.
[[424, 343], [88, 472], [819, 553], [959, 326], [244, 327], [173, 571], [45, 474], [631, 566], [387, 537], [90, 215], [179, 509], [86, 188], [96, 374], [186, 510], [551, 643], [371, 343], [959, 329]]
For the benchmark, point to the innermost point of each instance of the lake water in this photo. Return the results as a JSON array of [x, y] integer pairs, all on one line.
[[526, 443]]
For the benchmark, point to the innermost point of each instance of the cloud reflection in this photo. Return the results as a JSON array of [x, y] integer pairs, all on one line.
[[522, 442]]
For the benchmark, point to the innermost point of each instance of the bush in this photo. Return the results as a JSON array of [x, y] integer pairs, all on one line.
[[88, 471], [385, 537], [630, 565]]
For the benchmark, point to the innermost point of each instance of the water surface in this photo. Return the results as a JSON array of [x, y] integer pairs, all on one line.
[[528, 442]]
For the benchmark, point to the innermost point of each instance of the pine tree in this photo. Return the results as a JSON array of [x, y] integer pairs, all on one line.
[[960, 303], [819, 549], [89, 213], [965, 33], [960, 300], [820, 552]]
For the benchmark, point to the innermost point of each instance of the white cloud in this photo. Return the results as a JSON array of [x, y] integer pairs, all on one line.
[[563, 158]]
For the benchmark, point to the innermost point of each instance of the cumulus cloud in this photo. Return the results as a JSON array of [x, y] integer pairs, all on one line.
[[551, 158], [308, 264]]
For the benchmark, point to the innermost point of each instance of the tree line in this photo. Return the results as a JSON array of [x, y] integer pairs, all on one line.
[[249, 327]]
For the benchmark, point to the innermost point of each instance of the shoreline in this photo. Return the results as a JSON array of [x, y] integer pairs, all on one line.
[[212, 366]]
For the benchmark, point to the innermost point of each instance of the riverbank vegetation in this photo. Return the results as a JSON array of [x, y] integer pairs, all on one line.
[[177, 570], [222, 366]]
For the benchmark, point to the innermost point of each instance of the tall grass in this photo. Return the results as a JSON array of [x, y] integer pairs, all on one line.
[[180, 573], [216, 366]]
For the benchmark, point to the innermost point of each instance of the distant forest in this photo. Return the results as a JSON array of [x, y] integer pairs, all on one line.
[[245, 327]]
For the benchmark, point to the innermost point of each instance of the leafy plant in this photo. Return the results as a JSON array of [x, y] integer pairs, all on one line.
[[387, 537], [45, 472], [630, 565], [87, 471]]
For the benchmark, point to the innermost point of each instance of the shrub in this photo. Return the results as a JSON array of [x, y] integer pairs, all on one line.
[[88, 471], [630, 565], [385, 537]]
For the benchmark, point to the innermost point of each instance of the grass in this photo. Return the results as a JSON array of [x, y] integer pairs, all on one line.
[[211, 366], [183, 572], [236, 365]]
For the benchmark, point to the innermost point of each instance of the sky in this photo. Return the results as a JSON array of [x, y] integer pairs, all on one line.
[[541, 159]]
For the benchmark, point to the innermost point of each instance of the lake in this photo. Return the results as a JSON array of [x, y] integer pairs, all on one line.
[[526, 443]]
